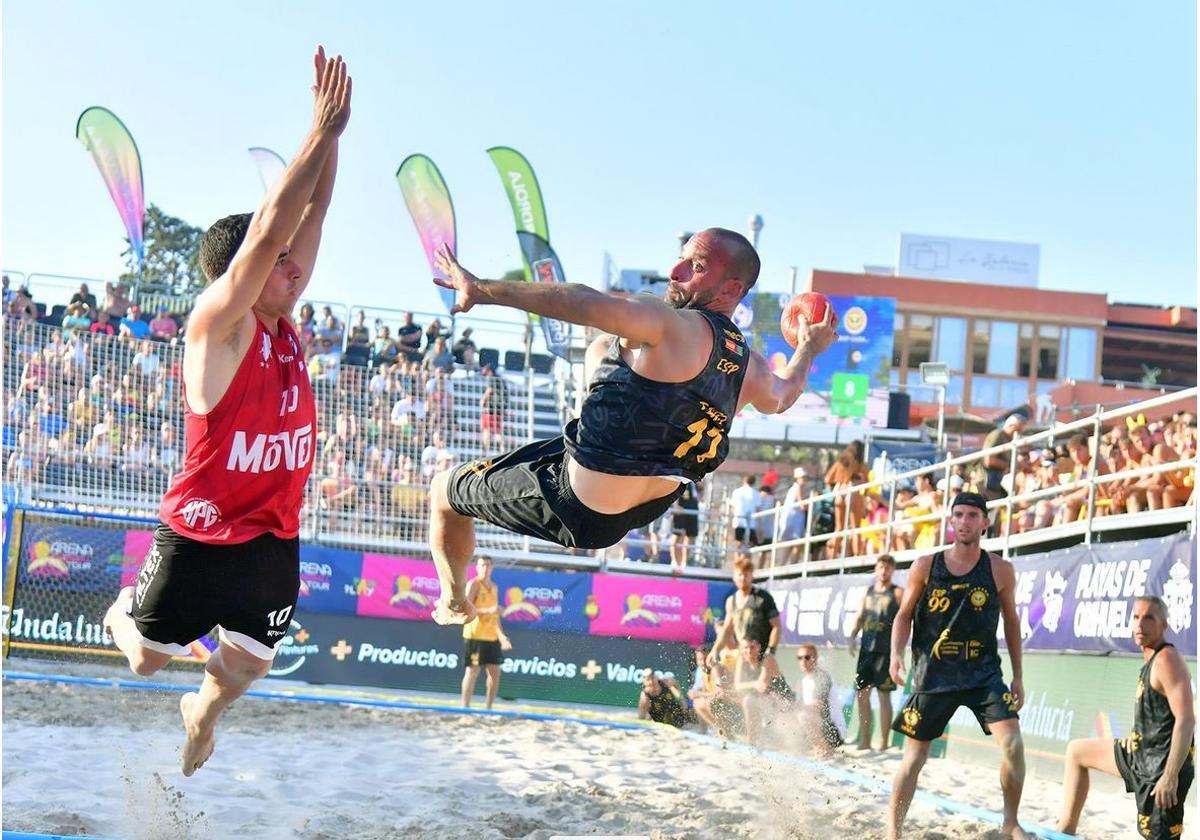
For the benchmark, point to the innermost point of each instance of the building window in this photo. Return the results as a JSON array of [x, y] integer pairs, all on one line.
[[1079, 348], [979, 348], [920, 339], [985, 392], [1002, 349], [898, 341], [894, 378], [1025, 351], [954, 392], [951, 342], [1013, 392], [1048, 340]]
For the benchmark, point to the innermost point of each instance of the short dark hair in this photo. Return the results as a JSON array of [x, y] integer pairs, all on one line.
[[1077, 440], [743, 259], [886, 558], [220, 242], [1160, 606], [750, 479]]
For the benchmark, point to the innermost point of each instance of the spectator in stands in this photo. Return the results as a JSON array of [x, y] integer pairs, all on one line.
[[306, 326], [338, 490], [493, 406], [103, 326], [431, 454], [1145, 492], [465, 352], [409, 410], [847, 471], [325, 364], [384, 350], [997, 465], [410, 339], [81, 416], [662, 702], [84, 296], [77, 317], [685, 525], [770, 479], [438, 357], [167, 456], [51, 423], [409, 496], [10, 294], [163, 327], [329, 329], [138, 456], [146, 361], [33, 377], [439, 398], [433, 332], [743, 504], [819, 735], [914, 504], [133, 325], [22, 306], [713, 699], [794, 515], [766, 525], [116, 299], [765, 693], [20, 471], [359, 335], [1084, 468], [377, 386]]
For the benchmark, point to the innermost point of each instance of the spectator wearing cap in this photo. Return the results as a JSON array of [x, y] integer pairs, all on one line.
[[133, 325], [163, 326], [465, 352], [410, 338], [997, 465], [85, 297]]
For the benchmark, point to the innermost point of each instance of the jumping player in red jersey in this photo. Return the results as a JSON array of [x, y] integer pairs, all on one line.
[[227, 552]]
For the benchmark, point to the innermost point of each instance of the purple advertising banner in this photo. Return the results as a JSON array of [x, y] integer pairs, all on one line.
[[1074, 599]]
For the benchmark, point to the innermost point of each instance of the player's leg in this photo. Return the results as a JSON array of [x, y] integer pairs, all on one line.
[[493, 683], [885, 714], [865, 721], [904, 786], [1012, 771], [451, 538], [468, 684], [119, 623], [227, 674], [1083, 754]]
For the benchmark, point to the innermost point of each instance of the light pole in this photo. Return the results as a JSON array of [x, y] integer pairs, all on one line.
[[937, 374], [756, 225]]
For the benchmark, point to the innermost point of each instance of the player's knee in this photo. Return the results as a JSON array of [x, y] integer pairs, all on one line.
[[146, 665], [1011, 745]]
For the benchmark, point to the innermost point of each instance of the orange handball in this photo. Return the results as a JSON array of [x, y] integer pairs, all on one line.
[[812, 308]]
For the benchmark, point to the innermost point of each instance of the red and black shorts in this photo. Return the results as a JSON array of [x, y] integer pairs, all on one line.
[[186, 588], [527, 491], [926, 714]]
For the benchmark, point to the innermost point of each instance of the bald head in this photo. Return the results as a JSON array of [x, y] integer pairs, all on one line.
[[743, 259]]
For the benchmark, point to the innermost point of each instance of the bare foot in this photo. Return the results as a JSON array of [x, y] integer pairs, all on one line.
[[199, 745], [119, 607], [1014, 831]]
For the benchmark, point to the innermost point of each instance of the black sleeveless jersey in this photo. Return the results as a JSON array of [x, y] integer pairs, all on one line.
[[879, 612], [1149, 742], [954, 629], [631, 425], [665, 706]]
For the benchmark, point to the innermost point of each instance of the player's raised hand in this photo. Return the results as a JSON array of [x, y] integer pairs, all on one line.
[[463, 282], [319, 67], [331, 106]]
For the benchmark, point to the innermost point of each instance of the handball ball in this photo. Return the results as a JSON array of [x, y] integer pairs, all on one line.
[[812, 307]]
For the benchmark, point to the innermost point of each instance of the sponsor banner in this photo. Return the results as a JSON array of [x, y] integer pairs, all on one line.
[[328, 580], [545, 268], [396, 587], [412, 655], [1074, 599], [552, 601], [70, 558], [73, 621], [901, 456], [137, 546], [648, 608]]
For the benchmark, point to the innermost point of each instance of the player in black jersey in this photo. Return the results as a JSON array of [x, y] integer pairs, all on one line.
[[664, 383], [1157, 760], [952, 605], [880, 605]]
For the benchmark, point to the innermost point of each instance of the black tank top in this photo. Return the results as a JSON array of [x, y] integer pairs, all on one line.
[[1149, 742], [954, 630], [631, 425], [879, 612], [664, 706]]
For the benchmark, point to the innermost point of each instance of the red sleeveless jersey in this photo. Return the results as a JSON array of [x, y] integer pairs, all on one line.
[[248, 459]]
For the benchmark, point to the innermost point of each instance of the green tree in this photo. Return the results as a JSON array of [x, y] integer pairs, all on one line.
[[172, 249]]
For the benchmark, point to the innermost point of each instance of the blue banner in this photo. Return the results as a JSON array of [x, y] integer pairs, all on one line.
[[546, 268], [71, 558], [327, 579], [554, 601]]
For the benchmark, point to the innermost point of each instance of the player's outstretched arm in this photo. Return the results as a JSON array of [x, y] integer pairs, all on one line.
[[772, 393], [640, 318], [231, 296]]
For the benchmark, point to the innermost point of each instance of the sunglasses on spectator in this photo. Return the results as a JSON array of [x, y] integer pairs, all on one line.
[[806, 656]]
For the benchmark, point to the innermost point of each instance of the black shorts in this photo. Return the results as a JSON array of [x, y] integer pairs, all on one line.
[[742, 534], [527, 491], [925, 715], [686, 524], [873, 671], [482, 652], [186, 588], [1152, 821]]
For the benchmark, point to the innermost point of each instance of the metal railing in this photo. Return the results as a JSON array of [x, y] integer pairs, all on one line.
[[801, 551]]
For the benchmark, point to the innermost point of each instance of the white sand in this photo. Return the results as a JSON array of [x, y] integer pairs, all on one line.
[[103, 761]]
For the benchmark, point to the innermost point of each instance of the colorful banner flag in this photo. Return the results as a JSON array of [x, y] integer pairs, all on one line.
[[428, 201], [269, 164], [546, 268], [524, 194], [120, 165]]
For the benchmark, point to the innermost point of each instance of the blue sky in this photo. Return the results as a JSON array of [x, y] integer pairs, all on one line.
[[1069, 124]]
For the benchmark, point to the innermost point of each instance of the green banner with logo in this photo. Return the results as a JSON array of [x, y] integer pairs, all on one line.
[[524, 194]]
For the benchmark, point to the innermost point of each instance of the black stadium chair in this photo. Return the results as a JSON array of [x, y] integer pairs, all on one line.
[[514, 361], [489, 356], [541, 362]]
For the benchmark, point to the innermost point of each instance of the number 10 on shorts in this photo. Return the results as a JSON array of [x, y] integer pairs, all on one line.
[[279, 618]]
